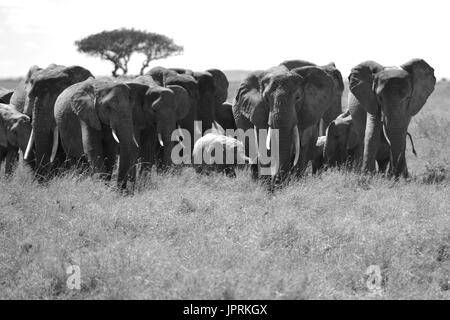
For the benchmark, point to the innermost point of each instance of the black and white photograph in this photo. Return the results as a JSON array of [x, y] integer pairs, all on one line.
[[237, 153]]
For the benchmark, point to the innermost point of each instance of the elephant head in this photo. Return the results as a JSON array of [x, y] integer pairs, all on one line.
[[15, 128], [289, 101], [46, 85], [221, 85], [335, 104], [391, 96], [340, 140], [105, 104], [207, 101], [160, 108], [168, 107], [190, 85]]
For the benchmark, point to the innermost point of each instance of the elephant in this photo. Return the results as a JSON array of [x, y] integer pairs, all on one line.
[[341, 141], [92, 118], [15, 130], [5, 95], [156, 112], [224, 116], [206, 89], [217, 152], [290, 101], [335, 105], [45, 87], [166, 77], [384, 99], [20, 94]]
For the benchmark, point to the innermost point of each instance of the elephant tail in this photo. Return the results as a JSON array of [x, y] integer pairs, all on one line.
[[412, 144]]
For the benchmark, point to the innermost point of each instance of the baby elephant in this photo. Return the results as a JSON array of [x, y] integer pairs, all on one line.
[[219, 153], [15, 130]]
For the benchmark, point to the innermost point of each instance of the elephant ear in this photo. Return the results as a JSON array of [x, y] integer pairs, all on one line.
[[317, 95], [83, 105], [361, 84], [423, 81], [182, 101], [249, 102], [336, 75]]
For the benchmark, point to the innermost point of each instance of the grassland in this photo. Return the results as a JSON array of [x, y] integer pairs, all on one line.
[[186, 236]]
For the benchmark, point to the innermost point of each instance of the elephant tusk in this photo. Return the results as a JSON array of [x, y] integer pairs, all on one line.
[[385, 134], [218, 127], [297, 145], [269, 134], [29, 146], [160, 140], [391, 157], [255, 133], [115, 136], [135, 142], [55, 144]]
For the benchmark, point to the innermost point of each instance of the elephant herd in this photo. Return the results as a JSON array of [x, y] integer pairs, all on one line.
[[60, 117]]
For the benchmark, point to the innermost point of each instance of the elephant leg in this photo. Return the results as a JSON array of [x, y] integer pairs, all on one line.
[[11, 159], [2, 155], [382, 165], [93, 147], [371, 141]]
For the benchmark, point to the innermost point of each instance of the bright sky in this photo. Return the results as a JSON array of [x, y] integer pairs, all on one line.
[[230, 34]]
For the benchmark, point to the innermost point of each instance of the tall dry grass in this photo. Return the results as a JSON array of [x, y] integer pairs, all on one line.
[[185, 236]]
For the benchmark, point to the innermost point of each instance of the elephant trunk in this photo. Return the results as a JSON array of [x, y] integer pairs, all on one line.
[[128, 156], [43, 125], [397, 140], [371, 141], [206, 111], [281, 142]]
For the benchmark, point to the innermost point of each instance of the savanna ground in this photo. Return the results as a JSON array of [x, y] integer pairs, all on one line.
[[186, 236]]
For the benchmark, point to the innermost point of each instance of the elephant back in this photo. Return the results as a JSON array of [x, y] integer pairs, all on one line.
[[160, 75], [293, 64], [5, 95]]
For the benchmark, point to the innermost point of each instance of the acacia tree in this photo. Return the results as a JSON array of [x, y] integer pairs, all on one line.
[[117, 46], [156, 46]]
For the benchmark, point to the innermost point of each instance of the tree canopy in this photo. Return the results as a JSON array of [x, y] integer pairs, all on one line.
[[117, 46]]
